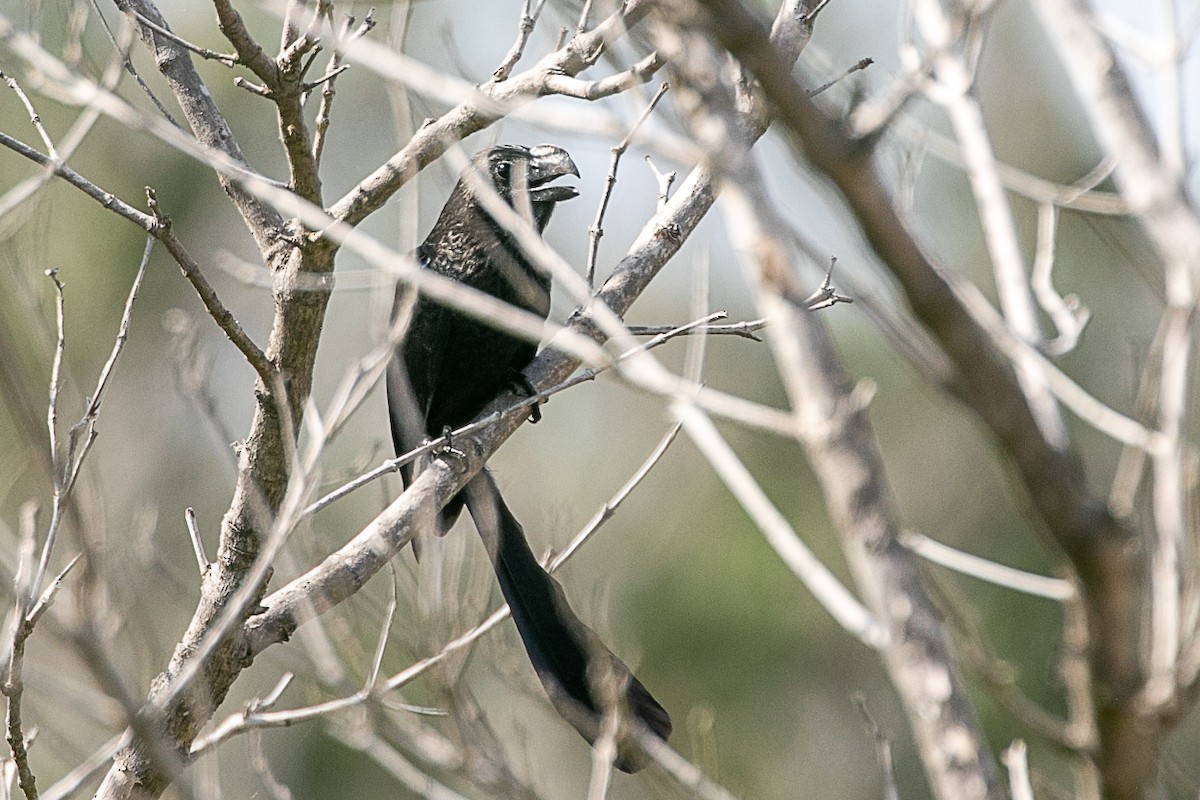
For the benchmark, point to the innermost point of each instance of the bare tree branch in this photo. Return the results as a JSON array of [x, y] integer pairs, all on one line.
[[432, 140], [954, 80], [1096, 544], [596, 231], [205, 118]]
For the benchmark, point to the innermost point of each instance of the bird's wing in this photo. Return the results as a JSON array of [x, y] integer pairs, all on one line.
[[414, 368]]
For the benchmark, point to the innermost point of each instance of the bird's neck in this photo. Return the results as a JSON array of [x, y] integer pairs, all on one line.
[[477, 229]]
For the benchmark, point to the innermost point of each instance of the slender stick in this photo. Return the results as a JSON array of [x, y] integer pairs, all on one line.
[[189, 516], [596, 231], [34, 117], [529, 18]]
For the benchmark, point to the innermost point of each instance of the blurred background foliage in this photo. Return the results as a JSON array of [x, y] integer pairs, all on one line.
[[760, 680]]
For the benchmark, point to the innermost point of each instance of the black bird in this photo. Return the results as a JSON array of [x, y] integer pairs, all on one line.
[[446, 370]]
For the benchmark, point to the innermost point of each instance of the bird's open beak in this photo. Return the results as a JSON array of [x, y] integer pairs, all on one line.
[[547, 163]]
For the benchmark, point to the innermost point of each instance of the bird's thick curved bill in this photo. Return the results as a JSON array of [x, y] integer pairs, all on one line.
[[549, 163], [552, 194]]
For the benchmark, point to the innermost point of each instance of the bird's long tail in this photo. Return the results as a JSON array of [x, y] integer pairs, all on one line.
[[579, 672]]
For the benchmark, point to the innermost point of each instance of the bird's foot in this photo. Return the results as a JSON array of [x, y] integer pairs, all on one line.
[[448, 450], [522, 385]]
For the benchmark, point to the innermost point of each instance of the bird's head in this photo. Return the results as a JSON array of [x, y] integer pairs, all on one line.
[[518, 172]]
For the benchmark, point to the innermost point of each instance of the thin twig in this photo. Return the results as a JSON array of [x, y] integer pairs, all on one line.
[[127, 63], [326, 79], [51, 591], [604, 753], [609, 508], [584, 13], [55, 377], [857, 67], [811, 16], [83, 432], [831, 593], [332, 70], [883, 749], [189, 518], [34, 117], [254, 88], [745, 330], [664, 181], [216, 309], [13, 689], [257, 716], [228, 59], [568, 86], [985, 570], [825, 295], [1014, 758], [13, 684], [107, 199], [385, 630], [597, 230], [1067, 314], [56, 456], [529, 18]]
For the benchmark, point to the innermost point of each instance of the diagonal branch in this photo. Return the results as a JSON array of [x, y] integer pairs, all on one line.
[[953, 79], [283, 82], [1157, 198], [204, 116], [1096, 544], [159, 227], [492, 101], [249, 51]]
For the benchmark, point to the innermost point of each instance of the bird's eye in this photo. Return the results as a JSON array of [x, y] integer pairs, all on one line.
[[503, 169]]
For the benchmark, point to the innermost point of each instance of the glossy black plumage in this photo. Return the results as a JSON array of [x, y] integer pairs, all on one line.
[[449, 366]]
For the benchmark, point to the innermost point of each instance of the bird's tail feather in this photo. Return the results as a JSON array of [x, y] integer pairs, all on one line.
[[574, 666]]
